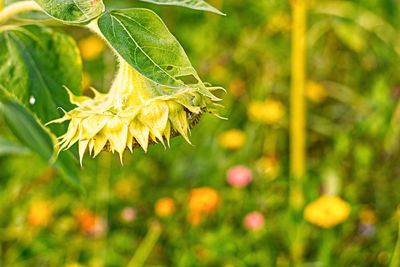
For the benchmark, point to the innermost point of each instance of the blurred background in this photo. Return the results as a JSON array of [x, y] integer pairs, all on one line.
[[225, 200]]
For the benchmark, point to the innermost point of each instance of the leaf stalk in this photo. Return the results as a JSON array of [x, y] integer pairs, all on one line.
[[16, 8]]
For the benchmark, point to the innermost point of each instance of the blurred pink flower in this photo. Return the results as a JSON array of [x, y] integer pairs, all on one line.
[[128, 214], [254, 221], [239, 176]]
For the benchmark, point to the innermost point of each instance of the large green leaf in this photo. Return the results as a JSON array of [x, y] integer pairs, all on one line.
[[143, 40], [72, 11], [35, 63], [193, 4], [34, 136], [7, 147]]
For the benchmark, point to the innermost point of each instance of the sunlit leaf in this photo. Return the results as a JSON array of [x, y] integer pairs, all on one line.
[[35, 65], [72, 11], [193, 4], [142, 39]]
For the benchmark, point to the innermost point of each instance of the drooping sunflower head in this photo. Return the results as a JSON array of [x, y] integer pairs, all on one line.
[[135, 113]]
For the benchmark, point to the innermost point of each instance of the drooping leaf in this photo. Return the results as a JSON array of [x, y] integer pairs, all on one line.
[[34, 136], [142, 39], [193, 4], [72, 11], [9, 148], [35, 63]]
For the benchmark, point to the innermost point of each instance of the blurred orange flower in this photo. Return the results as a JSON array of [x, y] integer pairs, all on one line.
[[91, 47], [316, 92], [165, 206], [269, 111], [195, 218], [232, 139], [40, 213], [203, 200], [327, 211], [91, 223]]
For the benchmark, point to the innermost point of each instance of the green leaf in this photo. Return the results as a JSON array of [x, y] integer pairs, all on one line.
[[193, 4], [28, 131], [142, 39], [34, 136], [7, 147], [351, 35], [72, 11], [35, 63]]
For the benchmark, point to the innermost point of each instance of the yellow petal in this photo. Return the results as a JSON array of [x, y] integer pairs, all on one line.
[[82, 148], [92, 125], [155, 117], [116, 132], [178, 119], [100, 140], [167, 132], [141, 134], [76, 100]]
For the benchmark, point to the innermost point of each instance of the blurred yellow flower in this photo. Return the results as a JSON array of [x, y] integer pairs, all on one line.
[[280, 22], [268, 166], [91, 47], [126, 188], [269, 111], [40, 213], [203, 200], [316, 92], [165, 206], [232, 139], [327, 211], [367, 216], [74, 264]]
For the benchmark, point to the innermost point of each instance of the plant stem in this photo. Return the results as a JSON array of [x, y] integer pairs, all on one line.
[[396, 252], [297, 126], [146, 246], [16, 8], [297, 101]]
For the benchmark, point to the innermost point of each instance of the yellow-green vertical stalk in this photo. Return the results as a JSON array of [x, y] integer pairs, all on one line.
[[147, 245], [297, 127], [395, 261], [297, 102]]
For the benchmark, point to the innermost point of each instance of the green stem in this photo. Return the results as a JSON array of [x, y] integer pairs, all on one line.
[[16, 8], [147, 245], [325, 250], [396, 252]]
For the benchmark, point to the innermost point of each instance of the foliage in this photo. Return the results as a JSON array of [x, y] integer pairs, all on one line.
[[241, 164]]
